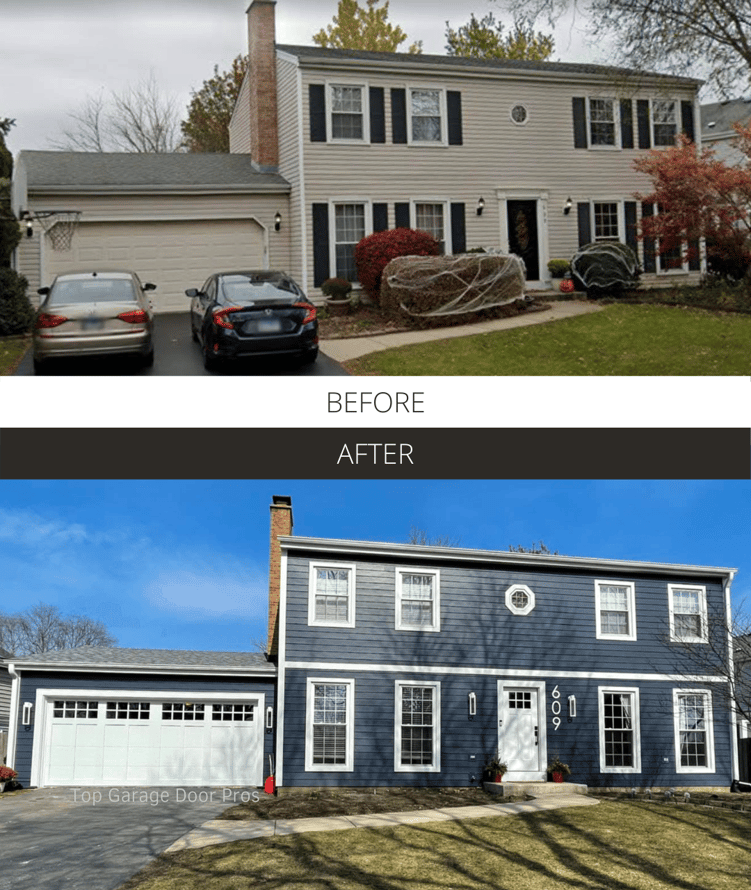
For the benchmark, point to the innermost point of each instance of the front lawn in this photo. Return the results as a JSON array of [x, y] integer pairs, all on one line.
[[12, 350], [624, 340], [618, 845]]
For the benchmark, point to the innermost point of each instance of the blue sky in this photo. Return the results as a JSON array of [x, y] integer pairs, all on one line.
[[183, 564]]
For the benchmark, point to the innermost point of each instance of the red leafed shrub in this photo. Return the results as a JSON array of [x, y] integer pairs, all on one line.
[[376, 251]]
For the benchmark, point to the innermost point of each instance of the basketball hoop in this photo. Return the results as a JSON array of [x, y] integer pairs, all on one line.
[[59, 226]]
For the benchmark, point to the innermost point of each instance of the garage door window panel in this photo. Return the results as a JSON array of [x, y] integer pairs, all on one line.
[[179, 711], [128, 710], [78, 709]]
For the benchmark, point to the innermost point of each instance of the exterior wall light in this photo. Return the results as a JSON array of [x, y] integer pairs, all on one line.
[[472, 704], [26, 715], [480, 206], [567, 206], [269, 719], [278, 222], [572, 706]]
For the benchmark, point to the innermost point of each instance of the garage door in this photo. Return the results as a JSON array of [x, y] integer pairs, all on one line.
[[157, 742], [174, 255]]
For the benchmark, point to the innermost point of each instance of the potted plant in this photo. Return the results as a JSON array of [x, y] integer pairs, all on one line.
[[558, 270], [6, 775], [337, 292], [496, 769], [557, 769]]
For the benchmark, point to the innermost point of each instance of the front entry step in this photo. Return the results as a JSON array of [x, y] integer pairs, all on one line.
[[538, 789]]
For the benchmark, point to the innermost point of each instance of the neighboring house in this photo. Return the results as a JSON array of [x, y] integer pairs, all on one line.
[[398, 665], [327, 146], [717, 119], [5, 685]]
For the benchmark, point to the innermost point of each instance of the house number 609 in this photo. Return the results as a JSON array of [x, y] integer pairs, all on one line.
[[556, 707]]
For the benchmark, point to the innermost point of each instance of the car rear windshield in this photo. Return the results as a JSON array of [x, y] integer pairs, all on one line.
[[238, 290], [94, 290]]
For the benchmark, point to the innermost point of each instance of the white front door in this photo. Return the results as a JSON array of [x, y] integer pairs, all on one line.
[[521, 736]]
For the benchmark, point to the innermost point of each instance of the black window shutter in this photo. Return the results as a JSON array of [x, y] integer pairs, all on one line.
[[320, 244], [627, 124], [687, 120], [650, 264], [585, 227], [401, 215], [454, 109], [399, 117], [458, 229], [380, 217], [580, 122], [629, 208], [377, 115], [642, 123], [317, 95], [694, 262]]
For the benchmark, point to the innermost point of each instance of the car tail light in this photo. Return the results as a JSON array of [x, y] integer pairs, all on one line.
[[220, 317], [311, 316], [45, 320], [136, 316]]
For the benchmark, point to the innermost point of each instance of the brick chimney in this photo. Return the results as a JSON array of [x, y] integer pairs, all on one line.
[[264, 132], [281, 524]]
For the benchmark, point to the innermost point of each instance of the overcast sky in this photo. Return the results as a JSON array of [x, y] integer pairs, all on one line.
[[184, 564], [55, 53]]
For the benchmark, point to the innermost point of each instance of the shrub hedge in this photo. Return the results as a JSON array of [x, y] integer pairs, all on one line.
[[376, 251], [16, 312]]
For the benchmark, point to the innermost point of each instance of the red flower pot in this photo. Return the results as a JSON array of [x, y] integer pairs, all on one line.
[[558, 777]]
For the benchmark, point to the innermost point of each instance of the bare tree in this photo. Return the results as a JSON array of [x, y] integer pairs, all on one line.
[[43, 629], [138, 119], [420, 536], [537, 547]]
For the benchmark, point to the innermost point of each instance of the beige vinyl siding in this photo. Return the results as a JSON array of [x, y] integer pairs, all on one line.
[[27, 262], [497, 157], [287, 73], [239, 125]]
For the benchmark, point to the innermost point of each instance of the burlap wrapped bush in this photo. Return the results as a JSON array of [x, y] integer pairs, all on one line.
[[432, 287]]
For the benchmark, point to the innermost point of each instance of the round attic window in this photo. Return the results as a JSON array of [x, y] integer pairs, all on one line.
[[520, 600], [519, 114]]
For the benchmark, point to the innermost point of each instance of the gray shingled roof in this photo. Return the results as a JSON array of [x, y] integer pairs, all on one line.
[[417, 60], [722, 115], [124, 170], [158, 659]]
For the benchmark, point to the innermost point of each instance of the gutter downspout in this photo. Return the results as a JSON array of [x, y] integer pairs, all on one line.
[[735, 763], [15, 690]]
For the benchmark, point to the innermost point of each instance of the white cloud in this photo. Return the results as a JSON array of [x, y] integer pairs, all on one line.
[[202, 591]]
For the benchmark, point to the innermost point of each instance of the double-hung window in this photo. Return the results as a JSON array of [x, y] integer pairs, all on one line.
[[664, 123], [329, 729], [418, 605], [620, 745], [348, 112], [616, 610], [331, 595], [427, 116], [606, 219], [417, 725], [694, 742], [603, 123], [349, 228], [688, 613], [430, 217]]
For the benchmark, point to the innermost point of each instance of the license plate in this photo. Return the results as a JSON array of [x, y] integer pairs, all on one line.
[[269, 325], [92, 324]]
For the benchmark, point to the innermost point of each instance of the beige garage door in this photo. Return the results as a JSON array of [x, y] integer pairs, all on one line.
[[174, 255]]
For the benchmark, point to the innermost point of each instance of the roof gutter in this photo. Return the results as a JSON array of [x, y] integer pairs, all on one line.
[[120, 668]]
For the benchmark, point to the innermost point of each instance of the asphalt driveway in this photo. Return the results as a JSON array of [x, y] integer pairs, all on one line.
[[176, 355], [70, 839]]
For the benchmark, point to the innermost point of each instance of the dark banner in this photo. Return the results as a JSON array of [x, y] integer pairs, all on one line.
[[375, 454]]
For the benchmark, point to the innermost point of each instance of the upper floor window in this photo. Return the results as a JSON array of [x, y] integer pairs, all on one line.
[[348, 112], [331, 599], [520, 599], [602, 123], [329, 725], [688, 613], [616, 610], [664, 122], [426, 115], [694, 742], [418, 604]]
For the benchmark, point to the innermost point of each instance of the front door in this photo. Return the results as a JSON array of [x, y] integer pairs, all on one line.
[[522, 235], [520, 740]]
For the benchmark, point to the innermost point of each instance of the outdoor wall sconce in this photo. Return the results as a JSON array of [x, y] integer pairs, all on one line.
[[567, 206], [269, 718], [26, 215], [278, 222], [472, 704], [480, 206], [26, 715], [572, 706]]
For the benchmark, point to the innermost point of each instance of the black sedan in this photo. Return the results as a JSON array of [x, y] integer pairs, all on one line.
[[252, 314]]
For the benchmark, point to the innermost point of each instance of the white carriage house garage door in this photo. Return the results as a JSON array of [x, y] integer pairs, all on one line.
[[172, 740], [174, 255]]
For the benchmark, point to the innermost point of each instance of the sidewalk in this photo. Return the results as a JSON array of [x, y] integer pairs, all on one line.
[[219, 831], [355, 347]]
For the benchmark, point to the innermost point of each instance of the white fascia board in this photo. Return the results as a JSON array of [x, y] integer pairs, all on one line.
[[290, 542], [101, 667]]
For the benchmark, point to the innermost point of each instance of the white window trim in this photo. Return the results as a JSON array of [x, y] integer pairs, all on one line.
[[444, 140], [446, 204], [368, 212], [621, 219], [515, 610], [349, 762], [622, 690], [631, 594], [709, 711], [399, 767], [653, 123], [678, 270], [365, 94], [326, 564], [435, 627], [702, 591], [616, 124]]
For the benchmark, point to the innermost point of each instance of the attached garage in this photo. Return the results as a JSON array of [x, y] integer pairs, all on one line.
[[172, 218], [101, 716]]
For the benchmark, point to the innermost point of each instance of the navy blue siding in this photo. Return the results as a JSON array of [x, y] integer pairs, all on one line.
[[32, 681]]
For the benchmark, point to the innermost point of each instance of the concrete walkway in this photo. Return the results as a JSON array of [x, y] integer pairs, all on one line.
[[355, 347], [219, 831]]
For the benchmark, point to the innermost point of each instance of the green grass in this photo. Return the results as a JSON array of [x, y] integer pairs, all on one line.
[[12, 350], [612, 846], [623, 340]]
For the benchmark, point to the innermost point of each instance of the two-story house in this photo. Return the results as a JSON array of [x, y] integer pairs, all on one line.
[[327, 146], [397, 665]]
